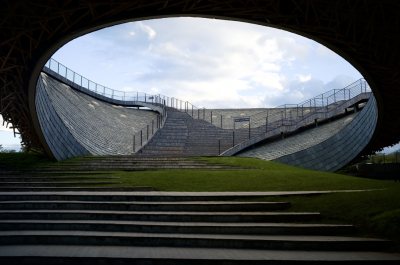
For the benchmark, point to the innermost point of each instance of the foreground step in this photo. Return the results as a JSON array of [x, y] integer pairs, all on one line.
[[211, 206], [122, 255], [34, 184], [110, 195], [158, 216], [278, 242], [28, 178], [73, 188], [179, 227]]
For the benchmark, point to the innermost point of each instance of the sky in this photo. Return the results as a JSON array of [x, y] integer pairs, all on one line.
[[208, 62]]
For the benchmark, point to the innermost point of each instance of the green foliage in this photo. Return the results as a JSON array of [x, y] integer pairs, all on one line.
[[381, 158]]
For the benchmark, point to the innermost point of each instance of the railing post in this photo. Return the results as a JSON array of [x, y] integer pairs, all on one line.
[[266, 124], [221, 122], [147, 134], [233, 138], [198, 114], [141, 137], [211, 116], [249, 129], [361, 85], [152, 127], [219, 146], [134, 144]]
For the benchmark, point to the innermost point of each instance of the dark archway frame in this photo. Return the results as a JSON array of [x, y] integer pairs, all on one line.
[[362, 32]]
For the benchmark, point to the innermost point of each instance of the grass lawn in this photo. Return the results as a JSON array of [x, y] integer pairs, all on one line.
[[259, 176], [375, 212]]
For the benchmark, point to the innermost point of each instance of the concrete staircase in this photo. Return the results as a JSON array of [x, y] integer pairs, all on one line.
[[173, 228], [183, 135], [130, 163], [59, 179]]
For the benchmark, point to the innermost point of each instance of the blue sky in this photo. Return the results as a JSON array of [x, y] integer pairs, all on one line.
[[211, 63]]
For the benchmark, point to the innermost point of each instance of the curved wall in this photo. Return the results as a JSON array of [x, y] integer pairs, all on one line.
[[75, 124], [60, 140], [336, 151]]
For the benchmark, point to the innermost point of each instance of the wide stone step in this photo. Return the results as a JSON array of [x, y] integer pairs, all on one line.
[[113, 196], [285, 242], [123, 255], [128, 163], [54, 183], [11, 189], [144, 206], [179, 227], [159, 216], [22, 178]]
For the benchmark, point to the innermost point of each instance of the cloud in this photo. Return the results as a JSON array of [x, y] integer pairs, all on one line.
[[209, 62], [303, 78], [151, 33]]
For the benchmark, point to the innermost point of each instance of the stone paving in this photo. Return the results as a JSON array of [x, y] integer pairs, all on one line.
[[298, 142], [100, 127]]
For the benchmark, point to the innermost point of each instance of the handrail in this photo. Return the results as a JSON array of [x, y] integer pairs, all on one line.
[[77, 81], [259, 125]]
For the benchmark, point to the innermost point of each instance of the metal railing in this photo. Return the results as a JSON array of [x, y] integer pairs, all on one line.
[[290, 117], [77, 81], [278, 120]]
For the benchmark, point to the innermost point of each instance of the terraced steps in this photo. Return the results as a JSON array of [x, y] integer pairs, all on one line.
[[131, 163], [151, 227], [179, 227], [73, 188], [271, 242], [34, 254], [144, 206]]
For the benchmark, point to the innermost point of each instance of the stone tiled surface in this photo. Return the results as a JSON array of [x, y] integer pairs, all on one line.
[[257, 116], [61, 142], [298, 141], [183, 135], [340, 146], [97, 127]]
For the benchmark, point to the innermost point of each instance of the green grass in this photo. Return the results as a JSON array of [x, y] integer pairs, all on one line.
[[260, 176], [376, 212]]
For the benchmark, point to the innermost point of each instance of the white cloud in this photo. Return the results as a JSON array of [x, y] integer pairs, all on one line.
[[303, 78], [151, 33], [209, 62]]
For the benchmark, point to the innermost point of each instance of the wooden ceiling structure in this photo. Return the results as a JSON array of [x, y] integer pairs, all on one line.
[[364, 32]]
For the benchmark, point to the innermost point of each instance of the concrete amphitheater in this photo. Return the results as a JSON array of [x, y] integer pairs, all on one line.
[[77, 121]]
